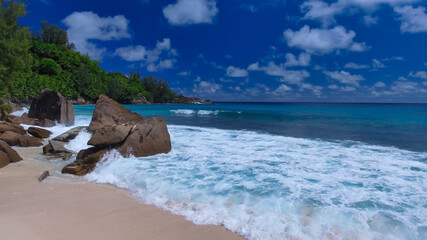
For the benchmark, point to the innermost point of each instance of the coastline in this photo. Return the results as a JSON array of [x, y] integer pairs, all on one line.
[[55, 209]]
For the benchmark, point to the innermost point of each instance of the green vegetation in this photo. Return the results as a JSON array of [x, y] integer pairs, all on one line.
[[32, 62]]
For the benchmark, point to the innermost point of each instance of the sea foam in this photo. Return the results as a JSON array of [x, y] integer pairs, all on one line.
[[274, 187]]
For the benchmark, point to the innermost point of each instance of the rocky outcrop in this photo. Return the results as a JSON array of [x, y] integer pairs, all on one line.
[[190, 100], [51, 106], [85, 162], [56, 147], [12, 155], [140, 99], [6, 126], [148, 137], [39, 132], [4, 159], [116, 127], [109, 112]]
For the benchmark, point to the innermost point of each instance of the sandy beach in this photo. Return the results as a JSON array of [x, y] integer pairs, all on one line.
[[58, 209]]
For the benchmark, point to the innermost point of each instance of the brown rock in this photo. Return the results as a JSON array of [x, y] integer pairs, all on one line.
[[24, 119], [39, 132], [4, 159], [140, 99], [69, 135], [43, 176], [85, 162], [29, 141], [149, 137], [52, 105], [10, 138], [109, 112], [6, 126], [55, 147], [10, 152], [110, 135]]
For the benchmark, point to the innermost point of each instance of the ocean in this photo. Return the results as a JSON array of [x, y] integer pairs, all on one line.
[[284, 171]]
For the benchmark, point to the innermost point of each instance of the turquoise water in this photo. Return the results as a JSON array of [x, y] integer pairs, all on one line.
[[284, 171], [400, 125]]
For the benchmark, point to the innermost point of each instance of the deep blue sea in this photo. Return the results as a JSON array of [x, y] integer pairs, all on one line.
[[284, 171]]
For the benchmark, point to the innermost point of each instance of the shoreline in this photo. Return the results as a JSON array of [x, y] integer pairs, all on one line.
[[60, 209]]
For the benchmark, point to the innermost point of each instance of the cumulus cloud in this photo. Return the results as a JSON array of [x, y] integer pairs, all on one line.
[[345, 77], [158, 58], [282, 89], [86, 26], [302, 60], [323, 41], [185, 12], [236, 72], [204, 87], [377, 64], [413, 20], [419, 74], [379, 84], [352, 65], [296, 77], [325, 12]]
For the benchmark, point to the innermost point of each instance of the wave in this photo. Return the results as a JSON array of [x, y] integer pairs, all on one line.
[[196, 112], [274, 187], [19, 113]]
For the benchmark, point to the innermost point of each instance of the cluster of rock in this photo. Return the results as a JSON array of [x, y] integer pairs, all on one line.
[[116, 127], [50, 107], [113, 127], [190, 100], [15, 135]]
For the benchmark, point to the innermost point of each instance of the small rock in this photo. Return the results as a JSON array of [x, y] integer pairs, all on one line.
[[69, 135], [29, 141], [39, 132], [6, 126], [85, 162], [10, 152], [24, 119], [11, 138], [44, 175]]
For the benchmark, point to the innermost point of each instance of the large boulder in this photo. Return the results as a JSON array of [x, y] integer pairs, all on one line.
[[52, 106], [109, 112], [85, 161], [39, 132], [110, 135], [11, 138], [57, 149], [6, 126], [4, 159], [12, 154], [148, 137]]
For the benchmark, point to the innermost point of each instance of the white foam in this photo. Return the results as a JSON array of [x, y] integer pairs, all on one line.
[[19, 113], [195, 112], [80, 142], [275, 187]]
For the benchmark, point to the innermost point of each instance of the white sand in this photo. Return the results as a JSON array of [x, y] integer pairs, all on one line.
[[57, 209]]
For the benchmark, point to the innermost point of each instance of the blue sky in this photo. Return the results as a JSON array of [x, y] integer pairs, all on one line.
[[254, 50]]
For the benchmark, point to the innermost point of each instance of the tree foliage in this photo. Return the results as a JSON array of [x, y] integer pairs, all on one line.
[[47, 60]]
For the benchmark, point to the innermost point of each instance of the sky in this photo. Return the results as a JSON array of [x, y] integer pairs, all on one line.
[[255, 50]]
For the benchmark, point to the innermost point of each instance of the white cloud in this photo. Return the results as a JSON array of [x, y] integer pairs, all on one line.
[[419, 74], [317, 90], [152, 58], [204, 87], [394, 58], [254, 67], [413, 20], [345, 77], [323, 41], [325, 13], [86, 26], [425, 83], [183, 73], [294, 77], [400, 78], [370, 21], [288, 76], [352, 65], [333, 86], [379, 84], [348, 89], [404, 87], [185, 12], [377, 63], [236, 72], [282, 89], [302, 60]]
